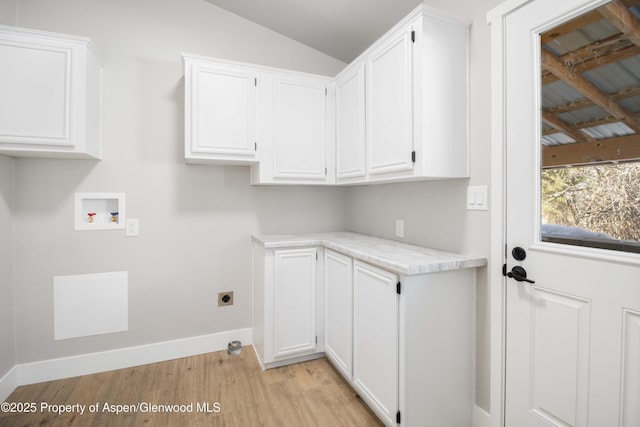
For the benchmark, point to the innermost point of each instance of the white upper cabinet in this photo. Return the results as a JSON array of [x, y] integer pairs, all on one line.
[[278, 121], [389, 105], [51, 95], [350, 123], [441, 95], [295, 129], [220, 111], [416, 102], [399, 112]]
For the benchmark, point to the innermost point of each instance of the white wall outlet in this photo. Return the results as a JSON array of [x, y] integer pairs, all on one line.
[[477, 198], [132, 227], [399, 228]]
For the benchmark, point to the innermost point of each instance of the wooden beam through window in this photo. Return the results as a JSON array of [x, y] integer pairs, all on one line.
[[618, 14], [585, 102], [596, 54], [570, 26], [612, 150], [577, 23], [551, 63], [561, 126]]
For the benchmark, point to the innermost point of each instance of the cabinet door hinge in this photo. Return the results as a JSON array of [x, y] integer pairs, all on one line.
[[325, 171], [255, 81], [413, 36], [413, 156], [316, 256], [316, 339], [398, 417], [255, 146], [398, 287], [326, 91]]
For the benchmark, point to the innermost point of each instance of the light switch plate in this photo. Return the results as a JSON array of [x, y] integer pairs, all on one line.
[[477, 198]]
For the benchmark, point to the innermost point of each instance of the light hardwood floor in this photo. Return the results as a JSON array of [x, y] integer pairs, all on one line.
[[300, 395]]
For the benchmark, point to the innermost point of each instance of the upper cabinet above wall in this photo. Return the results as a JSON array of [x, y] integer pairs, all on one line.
[[51, 95], [220, 111], [278, 121], [402, 106], [295, 129], [399, 112]]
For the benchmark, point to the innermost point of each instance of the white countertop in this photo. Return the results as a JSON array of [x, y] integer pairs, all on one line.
[[397, 257]]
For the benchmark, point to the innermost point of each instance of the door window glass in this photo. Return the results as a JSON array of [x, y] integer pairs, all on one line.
[[590, 81]]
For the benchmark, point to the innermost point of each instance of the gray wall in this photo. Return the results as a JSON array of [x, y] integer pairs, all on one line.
[[195, 221], [7, 323], [434, 212], [8, 12], [7, 320]]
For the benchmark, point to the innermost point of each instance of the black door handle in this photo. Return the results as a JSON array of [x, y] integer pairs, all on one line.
[[520, 274]]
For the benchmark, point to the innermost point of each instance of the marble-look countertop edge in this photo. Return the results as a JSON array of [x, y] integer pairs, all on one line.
[[401, 258]]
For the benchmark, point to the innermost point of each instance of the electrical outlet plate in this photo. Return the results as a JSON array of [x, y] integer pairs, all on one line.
[[132, 227], [225, 298], [399, 228]]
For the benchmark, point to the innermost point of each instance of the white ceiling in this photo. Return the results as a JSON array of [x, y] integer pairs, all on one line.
[[340, 28]]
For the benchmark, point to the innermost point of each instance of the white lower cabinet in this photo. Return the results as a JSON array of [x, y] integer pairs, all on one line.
[[408, 349], [403, 342], [294, 302], [375, 339], [286, 290], [338, 314]]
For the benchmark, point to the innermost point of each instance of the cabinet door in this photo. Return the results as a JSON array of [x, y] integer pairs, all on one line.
[[220, 110], [390, 106], [338, 330], [350, 124], [299, 128], [375, 352], [38, 98], [294, 302]]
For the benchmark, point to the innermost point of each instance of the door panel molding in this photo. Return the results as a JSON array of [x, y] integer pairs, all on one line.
[[630, 390], [560, 357]]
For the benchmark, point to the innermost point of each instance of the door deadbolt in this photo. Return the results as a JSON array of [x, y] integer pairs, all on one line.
[[519, 254]]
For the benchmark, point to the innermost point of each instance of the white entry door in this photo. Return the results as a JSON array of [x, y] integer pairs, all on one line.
[[573, 336]]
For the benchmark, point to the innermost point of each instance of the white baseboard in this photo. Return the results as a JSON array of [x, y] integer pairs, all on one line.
[[8, 383], [84, 364]]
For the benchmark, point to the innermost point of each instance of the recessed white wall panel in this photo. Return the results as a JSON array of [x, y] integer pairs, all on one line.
[[90, 304]]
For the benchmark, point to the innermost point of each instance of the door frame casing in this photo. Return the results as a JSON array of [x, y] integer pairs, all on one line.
[[497, 295]]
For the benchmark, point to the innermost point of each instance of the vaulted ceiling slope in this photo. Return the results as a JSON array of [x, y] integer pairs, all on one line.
[[591, 87], [340, 28]]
